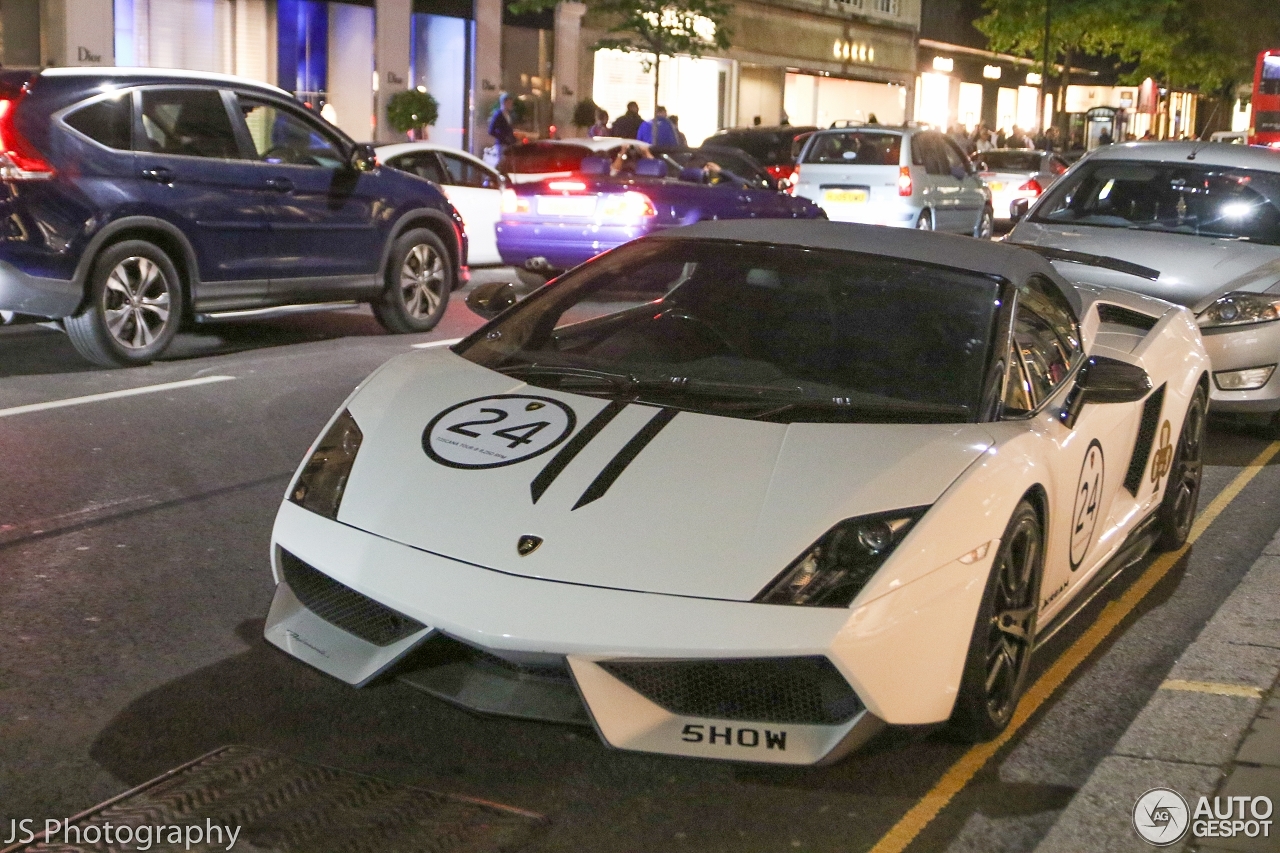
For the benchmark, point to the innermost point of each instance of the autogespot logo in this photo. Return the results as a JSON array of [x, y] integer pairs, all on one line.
[[1161, 817]]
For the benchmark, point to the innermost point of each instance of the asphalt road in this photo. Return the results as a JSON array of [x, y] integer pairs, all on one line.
[[134, 582]]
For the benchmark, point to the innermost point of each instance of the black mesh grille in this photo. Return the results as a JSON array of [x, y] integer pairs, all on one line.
[[765, 690], [1146, 435], [344, 607], [1108, 313]]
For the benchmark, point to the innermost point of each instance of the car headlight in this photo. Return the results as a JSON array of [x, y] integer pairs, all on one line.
[[323, 479], [836, 567], [1239, 309]]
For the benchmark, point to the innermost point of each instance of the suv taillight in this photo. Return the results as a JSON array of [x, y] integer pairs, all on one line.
[[19, 161]]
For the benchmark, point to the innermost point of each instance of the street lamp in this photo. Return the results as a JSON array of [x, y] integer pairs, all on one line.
[[1044, 77]]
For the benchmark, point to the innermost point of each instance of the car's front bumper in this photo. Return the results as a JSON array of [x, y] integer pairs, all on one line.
[[901, 655], [1240, 348]]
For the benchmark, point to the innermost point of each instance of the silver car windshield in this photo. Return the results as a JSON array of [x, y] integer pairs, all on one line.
[[776, 333], [1207, 201]]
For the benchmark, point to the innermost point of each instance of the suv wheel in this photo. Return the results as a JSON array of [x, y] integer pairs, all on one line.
[[134, 306], [419, 278]]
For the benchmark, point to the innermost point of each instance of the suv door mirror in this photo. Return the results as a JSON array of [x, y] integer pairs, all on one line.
[[1105, 380], [1018, 209], [490, 300], [363, 158]]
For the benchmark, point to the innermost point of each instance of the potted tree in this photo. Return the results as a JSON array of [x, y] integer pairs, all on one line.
[[412, 111]]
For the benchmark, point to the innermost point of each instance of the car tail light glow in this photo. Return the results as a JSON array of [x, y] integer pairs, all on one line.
[[629, 205], [782, 171], [19, 161], [567, 186], [512, 203], [905, 185], [1032, 186]]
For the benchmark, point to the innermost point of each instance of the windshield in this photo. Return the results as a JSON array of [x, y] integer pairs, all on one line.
[[1209, 201], [1012, 161], [537, 158], [856, 147], [754, 331], [718, 166]]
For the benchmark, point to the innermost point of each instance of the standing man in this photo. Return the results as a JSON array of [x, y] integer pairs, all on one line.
[[628, 124], [660, 131], [500, 124]]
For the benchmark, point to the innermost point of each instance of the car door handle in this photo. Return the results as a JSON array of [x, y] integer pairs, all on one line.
[[159, 174], [280, 185]]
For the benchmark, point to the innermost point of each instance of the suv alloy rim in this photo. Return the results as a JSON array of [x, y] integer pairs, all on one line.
[[136, 302], [421, 278]]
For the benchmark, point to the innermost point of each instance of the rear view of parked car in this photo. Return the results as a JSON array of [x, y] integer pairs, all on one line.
[[1018, 173], [132, 202], [903, 177]]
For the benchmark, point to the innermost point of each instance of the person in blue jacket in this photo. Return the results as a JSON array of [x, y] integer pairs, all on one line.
[[500, 123], [659, 132]]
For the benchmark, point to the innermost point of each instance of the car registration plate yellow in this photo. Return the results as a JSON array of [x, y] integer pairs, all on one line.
[[845, 196]]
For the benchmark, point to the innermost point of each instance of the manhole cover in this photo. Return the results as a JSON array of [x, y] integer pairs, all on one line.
[[274, 803]]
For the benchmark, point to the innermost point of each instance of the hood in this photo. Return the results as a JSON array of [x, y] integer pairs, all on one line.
[[1194, 271], [708, 506]]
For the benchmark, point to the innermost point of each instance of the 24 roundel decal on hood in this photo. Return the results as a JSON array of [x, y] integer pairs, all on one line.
[[501, 429]]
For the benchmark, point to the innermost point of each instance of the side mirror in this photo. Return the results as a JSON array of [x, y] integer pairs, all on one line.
[[1018, 209], [363, 158], [490, 300], [1105, 380]]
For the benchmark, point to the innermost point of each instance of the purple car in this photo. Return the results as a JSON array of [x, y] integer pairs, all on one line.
[[560, 222]]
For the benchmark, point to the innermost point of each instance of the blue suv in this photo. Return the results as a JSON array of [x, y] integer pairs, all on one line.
[[133, 201]]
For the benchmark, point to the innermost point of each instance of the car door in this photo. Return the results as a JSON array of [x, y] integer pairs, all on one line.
[[322, 213], [927, 150], [1085, 461], [476, 192], [970, 197], [193, 174]]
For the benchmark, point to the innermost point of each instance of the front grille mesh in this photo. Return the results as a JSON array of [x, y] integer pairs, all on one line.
[[344, 607], [765, 690]]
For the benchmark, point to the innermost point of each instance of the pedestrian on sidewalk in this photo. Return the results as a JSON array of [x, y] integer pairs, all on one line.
[[628, 124], [659, 131], [500, 128]]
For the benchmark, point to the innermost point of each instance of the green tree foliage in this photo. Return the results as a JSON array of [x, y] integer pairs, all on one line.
[[411, 110], [655, 27]]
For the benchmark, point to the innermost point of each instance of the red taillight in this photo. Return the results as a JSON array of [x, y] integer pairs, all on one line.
[[905, 186], [19, 161], [512, 203], [782, 171], [629, 205], [567, 186], [1031, 186]]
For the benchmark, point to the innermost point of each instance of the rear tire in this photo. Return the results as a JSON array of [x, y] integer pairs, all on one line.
[[1182, 491], [995, 669], [419, 278], [134, 306], [986, 225], [925, 222]]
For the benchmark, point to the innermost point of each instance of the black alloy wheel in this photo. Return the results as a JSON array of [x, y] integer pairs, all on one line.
[[1182, 491], [995, 669]]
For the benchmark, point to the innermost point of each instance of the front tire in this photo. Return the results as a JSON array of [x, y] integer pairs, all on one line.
[[1182, 491], [995, 669], [419, 279], [134, 307]]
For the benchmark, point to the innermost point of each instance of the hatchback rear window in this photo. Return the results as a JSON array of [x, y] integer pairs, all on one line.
[[543, 158], [1013, 161], [860, 148], [107, 122]]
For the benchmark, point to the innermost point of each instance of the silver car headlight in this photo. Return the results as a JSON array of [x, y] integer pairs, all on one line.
[[1240, 309], [323, 479], [836, 567]]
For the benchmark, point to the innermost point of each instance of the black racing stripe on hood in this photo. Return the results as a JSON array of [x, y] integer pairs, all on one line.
[[573, 447], [625, 456]]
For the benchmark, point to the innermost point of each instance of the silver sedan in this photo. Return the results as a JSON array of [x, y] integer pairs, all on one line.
[[1197, 224]]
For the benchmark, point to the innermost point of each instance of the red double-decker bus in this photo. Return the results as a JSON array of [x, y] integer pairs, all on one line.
[[1264, 126]]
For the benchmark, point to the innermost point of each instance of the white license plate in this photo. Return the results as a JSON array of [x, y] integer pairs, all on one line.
[[845, 196], [561, 205]]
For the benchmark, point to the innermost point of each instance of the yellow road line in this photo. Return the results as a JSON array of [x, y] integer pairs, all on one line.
[[959, 774], [1214, 687]]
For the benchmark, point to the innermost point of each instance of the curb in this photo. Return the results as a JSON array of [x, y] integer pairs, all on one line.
[[1188, 735]]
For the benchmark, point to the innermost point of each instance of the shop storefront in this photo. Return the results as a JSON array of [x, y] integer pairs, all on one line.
[[442, 49], [967, 86]]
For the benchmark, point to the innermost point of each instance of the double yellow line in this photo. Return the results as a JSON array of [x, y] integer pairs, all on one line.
[[959, 774]]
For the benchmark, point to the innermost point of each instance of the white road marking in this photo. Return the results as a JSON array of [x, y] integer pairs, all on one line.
[[430, 344], [112, 395]]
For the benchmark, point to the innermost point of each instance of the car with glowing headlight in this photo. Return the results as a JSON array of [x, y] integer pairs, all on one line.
[[1200, 223], [747, 490], [558, 223]]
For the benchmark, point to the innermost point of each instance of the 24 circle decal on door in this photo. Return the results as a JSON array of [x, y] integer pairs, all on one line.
[[1084, 515]]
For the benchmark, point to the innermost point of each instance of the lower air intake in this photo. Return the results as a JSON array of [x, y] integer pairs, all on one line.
[[764, 690], [344, 607]]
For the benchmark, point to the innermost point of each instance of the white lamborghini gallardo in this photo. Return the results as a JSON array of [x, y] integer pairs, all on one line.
[[748, 490]]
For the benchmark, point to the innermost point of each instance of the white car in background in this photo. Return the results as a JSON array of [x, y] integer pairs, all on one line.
[[1014, 173], [474, 189], [747, 489]]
